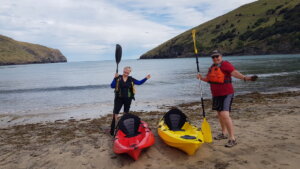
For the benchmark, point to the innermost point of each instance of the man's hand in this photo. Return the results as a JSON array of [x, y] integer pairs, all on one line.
[[116, 75], [148, 76], [250, 78], [254, 78], [199, 76], [238, 75]]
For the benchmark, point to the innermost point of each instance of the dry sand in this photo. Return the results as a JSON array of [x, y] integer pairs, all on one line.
[[267, 128]]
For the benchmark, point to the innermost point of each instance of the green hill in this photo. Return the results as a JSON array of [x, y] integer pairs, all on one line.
[[261, 27], [14, 52]]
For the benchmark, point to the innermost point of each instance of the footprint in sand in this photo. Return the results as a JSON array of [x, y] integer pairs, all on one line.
[[113, 157], [265, 162], [200, 162], [221, 165]]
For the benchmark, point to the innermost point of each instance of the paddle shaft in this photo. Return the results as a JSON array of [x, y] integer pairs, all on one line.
[[198, 70], [201, 92], [118, 55], [197, 62]]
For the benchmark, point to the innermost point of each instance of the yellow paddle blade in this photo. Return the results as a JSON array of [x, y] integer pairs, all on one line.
[[194, 39], [206, 131]]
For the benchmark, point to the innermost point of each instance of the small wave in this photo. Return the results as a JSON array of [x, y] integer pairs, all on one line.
[[278, 74], [64, 88]]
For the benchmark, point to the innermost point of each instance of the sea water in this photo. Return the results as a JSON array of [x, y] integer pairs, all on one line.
[[47, 92]]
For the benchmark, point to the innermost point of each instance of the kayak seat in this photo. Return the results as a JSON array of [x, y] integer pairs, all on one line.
[[188, 137], [175, 119], [129, 125]]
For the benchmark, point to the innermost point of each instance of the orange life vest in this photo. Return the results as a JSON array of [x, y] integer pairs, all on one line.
[[215, 75]]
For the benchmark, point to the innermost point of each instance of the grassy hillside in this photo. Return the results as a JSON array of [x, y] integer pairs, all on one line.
[[15, 52], [261, 27]]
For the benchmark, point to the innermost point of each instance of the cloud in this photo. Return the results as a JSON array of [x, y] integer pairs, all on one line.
[[182, 12], [89, 30]]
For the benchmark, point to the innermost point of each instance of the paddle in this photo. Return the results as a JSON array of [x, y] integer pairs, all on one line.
[[205, 125], [118, 55]]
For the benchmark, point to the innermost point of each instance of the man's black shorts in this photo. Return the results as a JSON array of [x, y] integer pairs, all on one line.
[[222, 103]]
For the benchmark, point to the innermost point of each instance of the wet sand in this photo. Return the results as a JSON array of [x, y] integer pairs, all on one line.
[[266, 125]]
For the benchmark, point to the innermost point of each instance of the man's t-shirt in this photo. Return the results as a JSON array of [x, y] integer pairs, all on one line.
[[225, 88]]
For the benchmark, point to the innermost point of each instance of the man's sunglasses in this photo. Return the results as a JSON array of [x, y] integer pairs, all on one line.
[[215, 56]]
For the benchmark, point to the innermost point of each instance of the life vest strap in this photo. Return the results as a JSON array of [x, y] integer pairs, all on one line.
[[225, 81]]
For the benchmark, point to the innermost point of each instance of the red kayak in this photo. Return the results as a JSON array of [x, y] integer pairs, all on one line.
[[132, 136]]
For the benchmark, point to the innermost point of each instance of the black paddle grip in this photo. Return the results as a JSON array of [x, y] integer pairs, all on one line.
[[202, 103]]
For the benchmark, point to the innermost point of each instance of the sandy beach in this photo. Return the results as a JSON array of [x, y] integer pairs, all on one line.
[[266, 125]]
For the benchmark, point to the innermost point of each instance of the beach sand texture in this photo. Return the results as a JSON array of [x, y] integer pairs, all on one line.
[[266, 126]]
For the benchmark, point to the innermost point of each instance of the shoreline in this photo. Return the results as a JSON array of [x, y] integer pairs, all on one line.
[[94, 112], [265, 125]]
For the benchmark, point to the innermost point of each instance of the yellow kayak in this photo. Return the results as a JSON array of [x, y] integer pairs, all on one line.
[[176, 132]]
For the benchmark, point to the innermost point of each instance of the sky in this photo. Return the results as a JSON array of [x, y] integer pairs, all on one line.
[[88, 30]]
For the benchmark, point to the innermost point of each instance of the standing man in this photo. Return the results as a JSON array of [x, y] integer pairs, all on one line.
[[125, 90], [219, 77]]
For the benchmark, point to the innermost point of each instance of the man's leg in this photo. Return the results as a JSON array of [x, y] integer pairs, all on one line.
[[222, 123], [227, 122]]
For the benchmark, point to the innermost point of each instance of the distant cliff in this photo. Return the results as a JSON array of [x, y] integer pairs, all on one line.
[[13, 52], [261, 27]]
